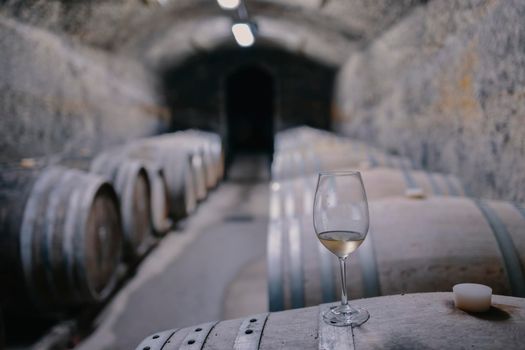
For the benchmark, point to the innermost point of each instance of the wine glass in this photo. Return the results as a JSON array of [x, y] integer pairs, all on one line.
[[341, 223]]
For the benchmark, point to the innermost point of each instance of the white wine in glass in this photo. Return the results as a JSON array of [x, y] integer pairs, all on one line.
[[341, 222]]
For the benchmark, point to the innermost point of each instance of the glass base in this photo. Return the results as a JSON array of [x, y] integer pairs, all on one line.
[[345, 315]]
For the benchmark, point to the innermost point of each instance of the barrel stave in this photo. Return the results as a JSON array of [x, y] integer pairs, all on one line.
[[58, 210], [223, 335], [33, 235], [295, 329], [177, 339], [157, 340]]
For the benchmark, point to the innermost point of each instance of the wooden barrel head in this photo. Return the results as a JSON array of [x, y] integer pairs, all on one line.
[[160, 203], [141, 209], [103, 243]]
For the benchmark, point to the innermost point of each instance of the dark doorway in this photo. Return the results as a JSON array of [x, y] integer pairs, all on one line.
[[250, 104]]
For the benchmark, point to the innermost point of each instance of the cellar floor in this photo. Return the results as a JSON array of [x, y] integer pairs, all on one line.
[[200, 272]]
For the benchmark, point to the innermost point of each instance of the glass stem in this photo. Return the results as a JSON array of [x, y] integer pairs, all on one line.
[[344, 297]]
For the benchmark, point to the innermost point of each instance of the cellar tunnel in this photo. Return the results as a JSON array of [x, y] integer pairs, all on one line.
[[250, 110], [249, 95], [189, 135]]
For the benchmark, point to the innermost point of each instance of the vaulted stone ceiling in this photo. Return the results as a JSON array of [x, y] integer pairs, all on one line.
[[162, 32]]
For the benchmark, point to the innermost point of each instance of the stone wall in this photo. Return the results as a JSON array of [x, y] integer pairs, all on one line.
[[58, 97], [446, 86]]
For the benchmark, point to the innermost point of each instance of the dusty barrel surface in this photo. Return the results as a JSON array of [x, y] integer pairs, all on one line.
[[295, 196], [412, 246], [160, 201], [199, 150], [62, 238], [207, 144], [348, 155], [411, 321], [216, 150], [131, 181], [183, 184]]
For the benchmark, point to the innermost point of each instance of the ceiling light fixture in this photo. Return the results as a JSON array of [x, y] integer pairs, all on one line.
[[243, 34], [229, 4]]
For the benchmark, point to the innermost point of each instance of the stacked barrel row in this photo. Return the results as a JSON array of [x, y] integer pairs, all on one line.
[[71, 231], [427, 233]]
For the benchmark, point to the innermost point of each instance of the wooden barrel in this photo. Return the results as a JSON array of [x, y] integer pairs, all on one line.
[[61, 238], [411, 321], [182, 169], [216, 149], [412, 246], [191, 180], [353, 155], [294, 197], [210, 161], [200, 145], [131, 181], [300, 136], [198, 167], [160, 201]]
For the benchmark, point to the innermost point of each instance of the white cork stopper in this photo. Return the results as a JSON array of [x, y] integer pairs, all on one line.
[[415, 193], [472, 297]]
